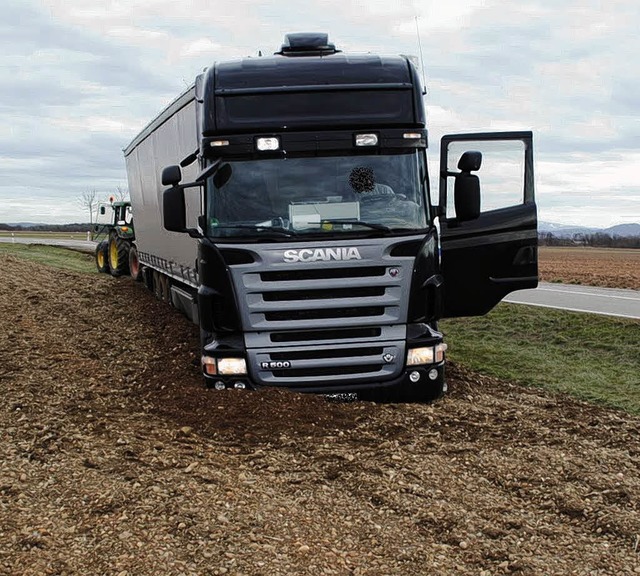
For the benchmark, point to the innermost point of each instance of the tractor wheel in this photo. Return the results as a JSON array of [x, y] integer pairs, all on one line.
[[134, 264], [102, 251], [118, 255]]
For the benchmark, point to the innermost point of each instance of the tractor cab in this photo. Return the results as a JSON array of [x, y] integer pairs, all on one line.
[[115, 235]]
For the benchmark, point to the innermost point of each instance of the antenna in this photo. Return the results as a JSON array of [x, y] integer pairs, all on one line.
[[424, 77]]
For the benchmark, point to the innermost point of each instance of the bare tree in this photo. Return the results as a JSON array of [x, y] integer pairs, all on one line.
[[121, 194], [89, 200]]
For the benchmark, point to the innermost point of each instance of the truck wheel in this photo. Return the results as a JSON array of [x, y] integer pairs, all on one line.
[[134, 264], [165, 284], [161, 287], [102, 263], [118, 255], [157, 286]]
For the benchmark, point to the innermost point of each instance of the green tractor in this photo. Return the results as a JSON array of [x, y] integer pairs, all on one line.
[[116, 252]]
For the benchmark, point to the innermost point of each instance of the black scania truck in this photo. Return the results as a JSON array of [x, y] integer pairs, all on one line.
[[283, 204]]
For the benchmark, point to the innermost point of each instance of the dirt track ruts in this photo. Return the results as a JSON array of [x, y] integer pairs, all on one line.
[[114, 460]]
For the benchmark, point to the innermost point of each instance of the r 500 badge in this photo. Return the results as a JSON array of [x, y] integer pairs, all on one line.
[[275, 365]]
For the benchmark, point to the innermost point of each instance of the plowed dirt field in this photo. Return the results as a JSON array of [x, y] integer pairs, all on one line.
[[605, 267], [115, 460]]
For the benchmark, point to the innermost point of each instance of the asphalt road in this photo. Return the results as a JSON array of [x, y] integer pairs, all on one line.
[[82, 245], [607, 301]]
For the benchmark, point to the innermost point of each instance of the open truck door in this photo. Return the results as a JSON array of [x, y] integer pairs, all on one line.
[[488, 220]]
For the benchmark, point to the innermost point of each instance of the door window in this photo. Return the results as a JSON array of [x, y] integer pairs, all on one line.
[[501, 173]]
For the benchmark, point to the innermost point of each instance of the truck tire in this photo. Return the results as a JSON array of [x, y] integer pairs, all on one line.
[[134, 264], [161, 287], [118, 255], [102, 256]]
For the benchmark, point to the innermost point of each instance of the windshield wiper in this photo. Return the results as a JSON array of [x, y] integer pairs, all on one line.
[[277, 229], [371, 225]]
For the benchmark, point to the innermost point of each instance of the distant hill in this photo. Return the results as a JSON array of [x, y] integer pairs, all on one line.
[[567, 231], [38, 227], [624, 230]]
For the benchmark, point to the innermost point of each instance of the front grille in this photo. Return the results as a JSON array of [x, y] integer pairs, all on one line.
[[332, 335], [323, 314], [288, 295], [325, 322], [323, 274], [326, 371], [328, 353], [300, 366]]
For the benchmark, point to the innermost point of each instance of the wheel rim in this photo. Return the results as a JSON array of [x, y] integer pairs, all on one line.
[[113, 254], [133, 264], [101, 259]]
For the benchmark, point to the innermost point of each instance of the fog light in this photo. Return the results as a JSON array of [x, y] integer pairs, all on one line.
[[239, 385], [414, 376], [433, 374], [219, 385], [417, 356], [233, 366]]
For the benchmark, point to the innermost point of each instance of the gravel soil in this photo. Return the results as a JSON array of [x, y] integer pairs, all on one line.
[[115, 460]]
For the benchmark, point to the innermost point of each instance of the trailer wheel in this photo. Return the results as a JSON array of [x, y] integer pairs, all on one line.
[[157, 287], [161, 287], [118, 255], [102, 263], [134, 264], [165, 284]]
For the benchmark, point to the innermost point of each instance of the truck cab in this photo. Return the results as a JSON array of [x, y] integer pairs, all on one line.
[[323, 262]]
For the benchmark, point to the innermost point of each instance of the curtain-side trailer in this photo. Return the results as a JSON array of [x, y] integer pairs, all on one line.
[[283, 204]]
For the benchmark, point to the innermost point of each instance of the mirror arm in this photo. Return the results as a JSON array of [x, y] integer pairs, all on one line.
[[184, 186]]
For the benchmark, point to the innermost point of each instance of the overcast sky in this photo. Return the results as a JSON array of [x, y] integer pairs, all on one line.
[[80, 78]]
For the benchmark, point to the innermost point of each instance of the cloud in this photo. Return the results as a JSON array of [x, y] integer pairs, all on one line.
[[79, 80]]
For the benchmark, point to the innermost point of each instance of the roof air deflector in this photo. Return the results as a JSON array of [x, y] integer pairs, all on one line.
[[307, 44]]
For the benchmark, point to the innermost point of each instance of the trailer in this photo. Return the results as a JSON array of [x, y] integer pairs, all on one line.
[[283, 204]]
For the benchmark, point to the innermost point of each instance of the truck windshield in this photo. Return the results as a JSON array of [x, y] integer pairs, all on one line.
[[284, 197]]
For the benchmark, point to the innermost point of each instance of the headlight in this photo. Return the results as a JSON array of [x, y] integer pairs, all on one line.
[[417, 356], [231, 366], [426, 355]]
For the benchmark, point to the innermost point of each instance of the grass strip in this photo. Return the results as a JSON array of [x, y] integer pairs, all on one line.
[[593, 357], [61, 258]]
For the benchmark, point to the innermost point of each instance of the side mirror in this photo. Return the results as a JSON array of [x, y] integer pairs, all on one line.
[[173, 208], [470, 161], [222, 175], [466, 193], [102, 210], [171, 176]]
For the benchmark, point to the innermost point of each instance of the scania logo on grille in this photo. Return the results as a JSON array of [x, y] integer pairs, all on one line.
[[275, 365], [321, 254], [388, 358]]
